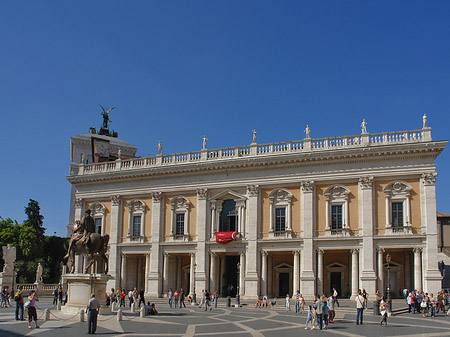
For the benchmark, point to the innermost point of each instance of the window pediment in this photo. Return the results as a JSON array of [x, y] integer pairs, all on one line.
[[229, 194], [136, 206], [397, 188], [97, 208], [280, 195], [180, 202], [337, 191]]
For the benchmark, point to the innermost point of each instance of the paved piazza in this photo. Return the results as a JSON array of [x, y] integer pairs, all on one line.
[[238, 322]]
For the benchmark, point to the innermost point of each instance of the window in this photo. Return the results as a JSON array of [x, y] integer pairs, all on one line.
[[397, 214], [98, 225], [180, 218], [228, 216], [280, 219], [280, 213], [137, 225], [336, 217], [179, 224]]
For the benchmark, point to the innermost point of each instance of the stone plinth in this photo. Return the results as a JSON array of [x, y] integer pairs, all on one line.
[[79, 289]]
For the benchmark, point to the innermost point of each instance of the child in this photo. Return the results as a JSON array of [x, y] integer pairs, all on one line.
[[309, 318]]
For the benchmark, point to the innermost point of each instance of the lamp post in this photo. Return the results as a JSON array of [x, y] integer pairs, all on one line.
[[237, 288], [388, 261], [14, 269]]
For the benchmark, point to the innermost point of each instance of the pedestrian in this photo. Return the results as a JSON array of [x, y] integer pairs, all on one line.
[[297, 302], [170, 297], [309, 318], [424, 305], [122, 297], [302, 303], [216, 298], [359, 308], [176, 297], [18, 297], [440, 302], [325, 312], [331, 313], [207, 300], [182, 296], [92, 310], [366, 298], [141, 297], [55, 296], [383, 311], [31, 306], [335, 295], [319, 312], [3, 296], [288, 302], [60, 295], [202, 301], [130, 297], [433, 305]]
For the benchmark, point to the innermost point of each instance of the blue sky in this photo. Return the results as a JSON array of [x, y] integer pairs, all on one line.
[[176, 70]]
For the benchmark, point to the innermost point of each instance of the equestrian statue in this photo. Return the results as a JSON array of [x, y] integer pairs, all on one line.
[[85, 241]]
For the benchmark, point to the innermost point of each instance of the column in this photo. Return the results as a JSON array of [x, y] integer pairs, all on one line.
[[166, 274], [327, 212], [179, 272], [221, 275], [296, 285], [154, 277], [123, 271], [264, 273], [388, 210], [213, 220], [366, 225], [417, 269], [201, 255], [431, 275], [242, 274], [381, 270], [270, 275], [408, 284], [319, 272], [253, 267], [307, 223], [192, 275], [213, 276], [147, 270], [354, 272], [115, 238]]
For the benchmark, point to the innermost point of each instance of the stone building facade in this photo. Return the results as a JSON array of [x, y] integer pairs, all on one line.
[[308, 215]]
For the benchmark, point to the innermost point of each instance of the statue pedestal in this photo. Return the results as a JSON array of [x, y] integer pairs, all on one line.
[[6, 281], [79, 290]]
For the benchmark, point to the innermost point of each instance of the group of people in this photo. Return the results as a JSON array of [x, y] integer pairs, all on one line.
[[58, 296], [30, 305], [176, 299], [120, 295], [5, 303], [427, 304]]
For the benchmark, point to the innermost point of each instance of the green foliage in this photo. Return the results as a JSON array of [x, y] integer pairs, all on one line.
[[32, 246]]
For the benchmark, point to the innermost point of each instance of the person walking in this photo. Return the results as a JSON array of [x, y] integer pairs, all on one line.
[[288, 303], [331, 313], [359, 308], [297, 302], [170, 297], [92, 310], [319, 312], [182, 297], [207, 300], [32, 314], [18, 297], [55, 296], [383, 311], [202, 301], [216, 298], [309, 318], [130, 297], [176, 297], [335, 295], [122, 297], [141, 297], [325, 312]]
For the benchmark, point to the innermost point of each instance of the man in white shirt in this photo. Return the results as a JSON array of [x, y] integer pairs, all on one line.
[[92, 310], [359, 308]]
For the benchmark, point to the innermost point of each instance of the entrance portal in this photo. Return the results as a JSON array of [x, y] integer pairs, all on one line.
[[283, 285], [335, 281], [230, 279]]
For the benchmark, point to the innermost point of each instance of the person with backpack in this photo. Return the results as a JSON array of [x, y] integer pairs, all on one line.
[[18, 297], [31, 306]]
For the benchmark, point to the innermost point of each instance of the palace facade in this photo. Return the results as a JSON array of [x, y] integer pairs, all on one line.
[[308, 215]]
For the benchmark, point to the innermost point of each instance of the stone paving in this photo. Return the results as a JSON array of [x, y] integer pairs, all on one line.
[[222, 321]]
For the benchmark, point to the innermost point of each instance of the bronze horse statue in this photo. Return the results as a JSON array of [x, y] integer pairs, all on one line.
[[96, 245]]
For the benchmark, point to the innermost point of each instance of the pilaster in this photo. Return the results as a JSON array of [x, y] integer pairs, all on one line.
[[201, 270], [154, 277], [307, 224], [115, 238], [252, 256]]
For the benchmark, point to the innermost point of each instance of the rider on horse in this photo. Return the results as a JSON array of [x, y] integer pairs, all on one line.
[[82, 231]]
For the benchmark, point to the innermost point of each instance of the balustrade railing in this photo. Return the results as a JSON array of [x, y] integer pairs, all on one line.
[[306, 145]]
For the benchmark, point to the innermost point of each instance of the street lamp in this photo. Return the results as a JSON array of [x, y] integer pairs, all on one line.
[[388, 261], [14, 269], [237, 288]]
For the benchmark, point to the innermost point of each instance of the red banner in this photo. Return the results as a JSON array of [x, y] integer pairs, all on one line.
[[225, 237]]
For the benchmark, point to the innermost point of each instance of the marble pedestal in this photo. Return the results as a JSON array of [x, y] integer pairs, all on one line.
[[79, 289]]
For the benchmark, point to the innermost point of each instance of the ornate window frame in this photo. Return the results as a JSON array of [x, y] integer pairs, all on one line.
[[398, 191], [98, 211], [180, 205], [280, 198], [136, 207], [337, 195]]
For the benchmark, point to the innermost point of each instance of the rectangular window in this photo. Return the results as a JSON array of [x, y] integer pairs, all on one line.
[[137, 225], [336, 217], [280, 219], [179, 226], [397, 214], [98, 225]]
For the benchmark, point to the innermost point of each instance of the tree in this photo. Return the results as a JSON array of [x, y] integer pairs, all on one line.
[[35, 219]]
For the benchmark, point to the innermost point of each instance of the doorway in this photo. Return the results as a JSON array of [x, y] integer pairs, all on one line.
[[283, 284], [335, 281], [230, 279]]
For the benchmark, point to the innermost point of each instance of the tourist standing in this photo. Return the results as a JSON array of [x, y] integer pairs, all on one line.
[[319, 312], [141, 297], [331, 309], [176, 297], [383, 311], [216, 298], [207, 300], [92, 310], [202, 301], [55, 296], [325, 311], [288, 302], [335, 295], [182, 296], [297, 301], [32, 314], [18, 297], [359, 308], [170, 297], [302, 303]]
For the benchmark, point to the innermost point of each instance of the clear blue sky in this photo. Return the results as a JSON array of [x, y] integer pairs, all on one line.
[[176, 70]]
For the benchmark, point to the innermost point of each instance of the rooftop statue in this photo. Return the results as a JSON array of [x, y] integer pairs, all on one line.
[[105, 115], [104, 129]]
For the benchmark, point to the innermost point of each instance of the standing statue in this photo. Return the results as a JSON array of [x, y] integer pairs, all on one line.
[[254, 136], [307, 132], [204, 142], [160, 147], [39, 273], [105, 115], [364, 126], [425, 121]]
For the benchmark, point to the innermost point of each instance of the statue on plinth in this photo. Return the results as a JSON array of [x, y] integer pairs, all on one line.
[[254, 137], [85, 241], [160, 149], [364, 126], [204, 142], [105, 115], [425, 121], [38, 273], [307, 132]]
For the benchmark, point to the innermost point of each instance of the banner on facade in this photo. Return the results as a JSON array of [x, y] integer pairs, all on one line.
[[225, 237]]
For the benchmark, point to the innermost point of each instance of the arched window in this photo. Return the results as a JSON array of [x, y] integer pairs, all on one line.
[[280, 213], [337, 220], [398, 207]]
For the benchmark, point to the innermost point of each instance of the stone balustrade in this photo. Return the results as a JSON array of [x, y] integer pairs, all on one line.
[[41, 289], [302, 146]]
